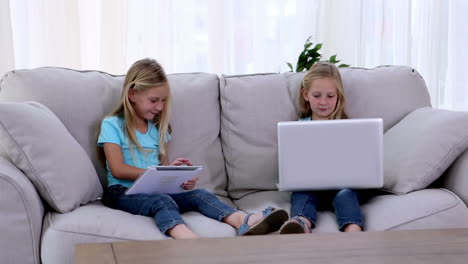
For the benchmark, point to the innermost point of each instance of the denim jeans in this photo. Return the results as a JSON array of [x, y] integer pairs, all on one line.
[[167, 208], [346, 203]]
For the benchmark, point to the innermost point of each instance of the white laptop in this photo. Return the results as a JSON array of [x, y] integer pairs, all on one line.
[[163, 179], [330, 154]]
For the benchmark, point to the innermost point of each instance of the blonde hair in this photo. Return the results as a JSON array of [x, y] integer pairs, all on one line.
[[142, 75], [318, 71]]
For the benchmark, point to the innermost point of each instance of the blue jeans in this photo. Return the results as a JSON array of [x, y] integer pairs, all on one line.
[[345, 202], [167, 208]]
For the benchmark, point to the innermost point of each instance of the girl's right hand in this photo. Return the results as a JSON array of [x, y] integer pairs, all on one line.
[[181, 161]]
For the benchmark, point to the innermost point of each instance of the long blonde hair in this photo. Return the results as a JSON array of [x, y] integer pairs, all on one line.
[[318, 71], [142, 75]]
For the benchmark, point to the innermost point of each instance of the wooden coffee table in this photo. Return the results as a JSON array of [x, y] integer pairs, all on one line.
[[416, 246]]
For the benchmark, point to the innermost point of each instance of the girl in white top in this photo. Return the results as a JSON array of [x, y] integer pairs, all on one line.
[[322, 98]]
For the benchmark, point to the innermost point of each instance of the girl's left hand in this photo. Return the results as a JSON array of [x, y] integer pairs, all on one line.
[[190, 184]]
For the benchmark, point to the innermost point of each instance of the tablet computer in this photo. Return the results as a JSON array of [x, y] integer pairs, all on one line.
[[163, 179]]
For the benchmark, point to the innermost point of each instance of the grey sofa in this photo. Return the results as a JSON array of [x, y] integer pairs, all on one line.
[[228, 125]]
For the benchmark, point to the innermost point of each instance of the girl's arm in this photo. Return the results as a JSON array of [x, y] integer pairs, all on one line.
[[118, 168]]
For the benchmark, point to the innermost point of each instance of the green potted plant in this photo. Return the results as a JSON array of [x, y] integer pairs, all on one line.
[[311, 55]]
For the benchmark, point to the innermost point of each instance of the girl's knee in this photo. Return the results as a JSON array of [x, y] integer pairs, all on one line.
[[162, 200], [345, 194], [202, 192], [303, 195]]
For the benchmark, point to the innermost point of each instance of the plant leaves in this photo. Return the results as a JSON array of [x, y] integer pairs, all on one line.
[[313, 54], [301, 61], [318, 46], [310, 55]]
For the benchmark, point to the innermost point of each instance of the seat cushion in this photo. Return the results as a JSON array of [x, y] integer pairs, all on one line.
[[424, 209], [95, 223]]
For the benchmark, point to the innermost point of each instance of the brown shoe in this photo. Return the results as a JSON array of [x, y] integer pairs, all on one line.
[[272, 221], [295, 225], [291, 227]]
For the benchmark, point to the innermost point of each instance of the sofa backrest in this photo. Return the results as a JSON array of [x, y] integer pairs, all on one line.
[[80, 99], [251, 106]]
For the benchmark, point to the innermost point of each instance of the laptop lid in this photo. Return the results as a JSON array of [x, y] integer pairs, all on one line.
[[330, 154]]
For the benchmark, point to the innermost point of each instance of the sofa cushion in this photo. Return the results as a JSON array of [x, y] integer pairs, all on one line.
[[455, 179], [424, 209], [80, 99], [251, 106], [38, 144], [96, 223], [377, 92], [421, 147], [195, 115], [388, 92]]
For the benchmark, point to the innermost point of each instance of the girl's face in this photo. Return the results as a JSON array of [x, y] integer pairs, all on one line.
[[150, 102], [322, 97]]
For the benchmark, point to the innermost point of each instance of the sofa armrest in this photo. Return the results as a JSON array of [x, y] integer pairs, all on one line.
[[21, 214], [456, 177]]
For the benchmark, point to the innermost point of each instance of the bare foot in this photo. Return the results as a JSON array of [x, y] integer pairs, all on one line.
[[237, 219], [181, 231], [255, 218], [353, 228]]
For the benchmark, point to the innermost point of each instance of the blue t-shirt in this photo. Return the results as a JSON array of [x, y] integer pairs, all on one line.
[[305, 119], [113, 131]]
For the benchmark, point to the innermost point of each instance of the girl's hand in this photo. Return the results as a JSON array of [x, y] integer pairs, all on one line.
[[190, 184], [181, 161]]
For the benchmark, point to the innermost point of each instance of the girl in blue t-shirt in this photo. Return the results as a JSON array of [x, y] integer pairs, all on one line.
[[134, 136], [321, 98]]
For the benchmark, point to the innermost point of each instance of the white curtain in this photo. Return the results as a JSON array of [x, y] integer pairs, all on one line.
[[241, 36], [6, 41]]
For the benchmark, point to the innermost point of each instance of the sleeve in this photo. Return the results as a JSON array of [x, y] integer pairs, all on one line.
[[168, 137], [110, 133]]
